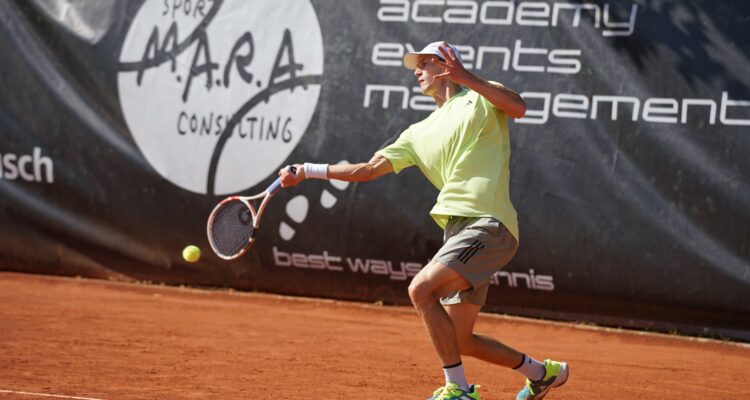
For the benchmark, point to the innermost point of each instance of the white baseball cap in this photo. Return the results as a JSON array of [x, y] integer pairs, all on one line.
[[410, 59]]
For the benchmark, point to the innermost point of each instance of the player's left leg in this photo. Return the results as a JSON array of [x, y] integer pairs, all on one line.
[[541, 377], [485, 348]]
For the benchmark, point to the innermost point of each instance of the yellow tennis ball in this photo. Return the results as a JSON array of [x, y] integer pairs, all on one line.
[[191, 253]]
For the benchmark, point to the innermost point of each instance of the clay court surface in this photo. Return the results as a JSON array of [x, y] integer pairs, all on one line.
[[79, 338]]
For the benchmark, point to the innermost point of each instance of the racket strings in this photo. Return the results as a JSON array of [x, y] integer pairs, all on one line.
[[232, 228]]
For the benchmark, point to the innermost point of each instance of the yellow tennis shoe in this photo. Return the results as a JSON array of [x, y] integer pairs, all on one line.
[[556, 374], [451, 391]]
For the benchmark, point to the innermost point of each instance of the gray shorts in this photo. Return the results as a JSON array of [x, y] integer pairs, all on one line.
[[476, 248]]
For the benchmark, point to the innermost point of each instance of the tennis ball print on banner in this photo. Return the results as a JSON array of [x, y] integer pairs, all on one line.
[[216, 95]]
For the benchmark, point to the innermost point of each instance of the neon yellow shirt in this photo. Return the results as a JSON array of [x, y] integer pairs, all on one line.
[[463, 148]]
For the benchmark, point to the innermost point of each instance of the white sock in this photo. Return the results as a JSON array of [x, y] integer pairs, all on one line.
[[531, 368], [455, 374]]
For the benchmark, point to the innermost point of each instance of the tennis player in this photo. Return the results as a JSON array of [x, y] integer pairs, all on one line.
[[463, 148]]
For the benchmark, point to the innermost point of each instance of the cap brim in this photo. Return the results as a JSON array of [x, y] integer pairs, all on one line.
[[410, 60]]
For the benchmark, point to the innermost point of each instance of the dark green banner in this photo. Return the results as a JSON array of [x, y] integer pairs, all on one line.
[[123, 123]]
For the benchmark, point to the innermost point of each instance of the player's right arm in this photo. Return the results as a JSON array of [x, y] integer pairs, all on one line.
[[361, 172]]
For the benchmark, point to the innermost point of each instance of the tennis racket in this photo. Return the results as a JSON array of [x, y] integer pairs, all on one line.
[[233, 223]]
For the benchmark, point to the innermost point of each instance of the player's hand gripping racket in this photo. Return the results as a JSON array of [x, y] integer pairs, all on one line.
[[234, 222]]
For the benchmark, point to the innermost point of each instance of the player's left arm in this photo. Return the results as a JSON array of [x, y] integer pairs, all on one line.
[[502, 98]]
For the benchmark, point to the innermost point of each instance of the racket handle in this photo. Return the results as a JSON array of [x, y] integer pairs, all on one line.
[[276, 185]]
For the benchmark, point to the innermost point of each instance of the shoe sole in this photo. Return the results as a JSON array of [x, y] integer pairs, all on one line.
[[562, 377]]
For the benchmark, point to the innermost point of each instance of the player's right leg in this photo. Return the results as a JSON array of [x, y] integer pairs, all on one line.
[[425, 291]]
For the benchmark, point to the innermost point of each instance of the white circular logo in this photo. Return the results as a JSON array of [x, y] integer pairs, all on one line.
[[218, 93]]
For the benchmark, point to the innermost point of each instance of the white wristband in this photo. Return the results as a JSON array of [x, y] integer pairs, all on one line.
[[318, 171]]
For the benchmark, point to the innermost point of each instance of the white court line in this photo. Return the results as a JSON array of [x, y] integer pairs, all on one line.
[[48, 395]]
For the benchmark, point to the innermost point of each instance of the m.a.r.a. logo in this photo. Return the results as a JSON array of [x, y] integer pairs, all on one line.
[[218, 93]]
